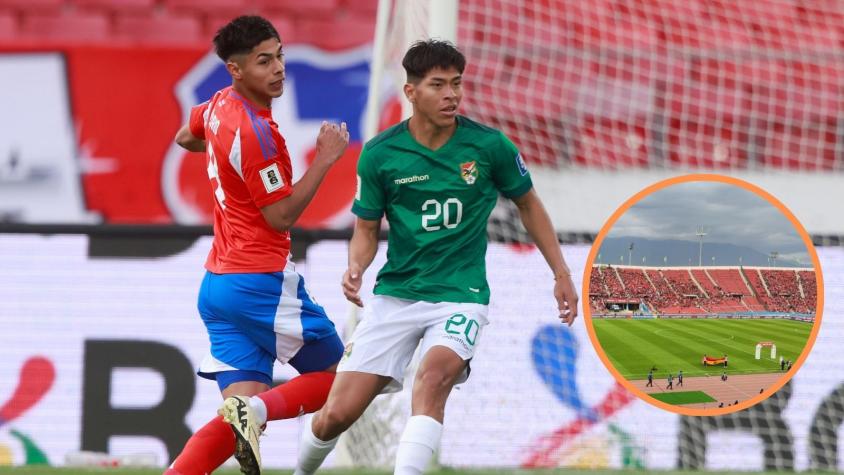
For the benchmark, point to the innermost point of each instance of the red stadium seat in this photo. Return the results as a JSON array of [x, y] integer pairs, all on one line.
[[116, 6], [33, 6], [807, 145], [363, 7], [208, 7], [622, 143], [8, 26], [80, 27], [312, 9], [337, 34], [707, 143], [160, 30]]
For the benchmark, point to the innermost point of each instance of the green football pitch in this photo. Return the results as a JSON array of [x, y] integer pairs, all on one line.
[[669, 345], [683, 397]]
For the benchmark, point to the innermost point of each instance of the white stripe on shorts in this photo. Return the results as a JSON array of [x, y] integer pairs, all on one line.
[[288, 321], [213, 365]]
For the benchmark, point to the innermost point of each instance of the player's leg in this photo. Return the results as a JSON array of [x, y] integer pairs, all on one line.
[[374, 362], [317, 364], [214, 442], [350, 395], [238, 365], [304, 394], [297, 331], [438, 372], [449, 343]]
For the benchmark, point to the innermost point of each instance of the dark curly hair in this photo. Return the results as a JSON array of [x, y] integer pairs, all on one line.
[[242, 34], [425, 55]]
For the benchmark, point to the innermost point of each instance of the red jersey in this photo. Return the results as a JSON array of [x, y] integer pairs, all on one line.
[[249, 168]]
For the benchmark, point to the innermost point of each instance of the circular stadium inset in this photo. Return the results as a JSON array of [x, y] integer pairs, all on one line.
[[703, 294]]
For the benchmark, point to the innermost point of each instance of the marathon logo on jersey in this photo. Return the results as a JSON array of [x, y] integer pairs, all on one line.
[[411, 179], [469, 172], [271, 178], [520, 162]]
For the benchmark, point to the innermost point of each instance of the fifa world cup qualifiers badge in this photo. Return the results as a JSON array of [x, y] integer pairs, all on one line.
[[271, 178]]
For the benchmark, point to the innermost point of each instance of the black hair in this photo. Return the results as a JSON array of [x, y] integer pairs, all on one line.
[[242, 34], [425, 55]]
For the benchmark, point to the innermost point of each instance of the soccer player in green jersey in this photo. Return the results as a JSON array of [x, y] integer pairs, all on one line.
[[436, 177]]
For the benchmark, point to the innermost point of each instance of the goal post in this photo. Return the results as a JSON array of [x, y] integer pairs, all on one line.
[[766, 344], [398, 24]]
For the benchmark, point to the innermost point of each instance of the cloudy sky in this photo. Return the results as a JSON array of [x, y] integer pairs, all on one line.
[[728, 213]]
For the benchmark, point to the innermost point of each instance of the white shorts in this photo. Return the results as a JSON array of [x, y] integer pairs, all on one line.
[[391, 328]]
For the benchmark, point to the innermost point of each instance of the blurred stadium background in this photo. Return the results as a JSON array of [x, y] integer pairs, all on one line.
[[103, 221]]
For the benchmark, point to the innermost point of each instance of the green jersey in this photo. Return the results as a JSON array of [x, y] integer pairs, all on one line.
[[437, 204]]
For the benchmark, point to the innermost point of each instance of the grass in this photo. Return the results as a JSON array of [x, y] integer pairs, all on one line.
[[669, 345], [683, 397]]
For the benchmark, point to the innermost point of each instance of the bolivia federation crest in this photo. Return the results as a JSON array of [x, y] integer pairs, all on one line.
[[469, 172]]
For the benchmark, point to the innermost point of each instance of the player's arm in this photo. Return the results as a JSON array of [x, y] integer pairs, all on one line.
[[362, 249], [331, 143], [538, 225], [186, 140], [191, 136]]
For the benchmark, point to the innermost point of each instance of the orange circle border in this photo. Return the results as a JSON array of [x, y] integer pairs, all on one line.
[[711, 177]]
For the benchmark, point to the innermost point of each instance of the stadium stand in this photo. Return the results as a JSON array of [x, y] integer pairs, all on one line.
[[697, 291], [636, 284], [8, 26], [88, 27], [329, 24], [809, 286], [116, 6], [159, 29]]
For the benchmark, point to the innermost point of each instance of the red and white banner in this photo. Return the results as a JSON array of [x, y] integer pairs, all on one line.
[[91, 141]]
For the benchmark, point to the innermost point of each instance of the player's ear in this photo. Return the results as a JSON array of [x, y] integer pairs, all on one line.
[[234, 68], [410, 92]]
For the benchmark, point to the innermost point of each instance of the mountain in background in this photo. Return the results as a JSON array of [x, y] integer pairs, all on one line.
[[673, 252]]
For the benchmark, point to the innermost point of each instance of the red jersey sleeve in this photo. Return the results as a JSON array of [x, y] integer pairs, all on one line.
[[196, 122], [265, 163]]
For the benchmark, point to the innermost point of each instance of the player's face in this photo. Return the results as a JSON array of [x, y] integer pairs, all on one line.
[[263, 70], [437, 96]]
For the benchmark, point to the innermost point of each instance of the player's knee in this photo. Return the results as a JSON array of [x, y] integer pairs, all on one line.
[[435, 382], [331, 421]]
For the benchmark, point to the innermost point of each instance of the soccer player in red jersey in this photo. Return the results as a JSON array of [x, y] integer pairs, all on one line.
[[253, 303]]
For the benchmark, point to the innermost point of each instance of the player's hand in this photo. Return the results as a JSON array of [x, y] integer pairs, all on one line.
[[331, 142], [352, 280], [566, 296]]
